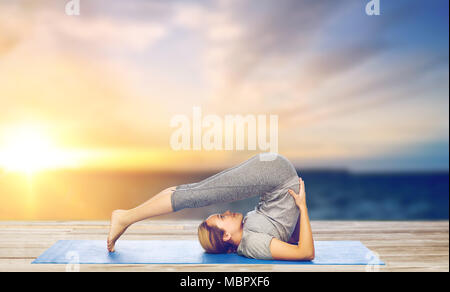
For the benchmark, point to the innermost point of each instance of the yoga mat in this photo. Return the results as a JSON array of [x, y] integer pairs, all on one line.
[[190, 252]]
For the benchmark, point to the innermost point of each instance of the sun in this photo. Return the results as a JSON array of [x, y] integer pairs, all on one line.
[[28, 149]]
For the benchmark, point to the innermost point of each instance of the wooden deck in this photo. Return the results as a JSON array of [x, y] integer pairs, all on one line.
[[404, 246]]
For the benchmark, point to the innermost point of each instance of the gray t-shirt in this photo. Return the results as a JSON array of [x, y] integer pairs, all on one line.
[[275, 216]]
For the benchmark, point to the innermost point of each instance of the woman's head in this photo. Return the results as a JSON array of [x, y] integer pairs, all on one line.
[[221, 233]]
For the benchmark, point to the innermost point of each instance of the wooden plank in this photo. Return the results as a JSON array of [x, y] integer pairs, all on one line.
[[404, 246]]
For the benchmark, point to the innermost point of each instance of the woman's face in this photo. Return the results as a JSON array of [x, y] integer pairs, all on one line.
[[229, 222]]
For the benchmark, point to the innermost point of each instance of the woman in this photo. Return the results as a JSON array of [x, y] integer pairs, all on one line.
[[271, 231]]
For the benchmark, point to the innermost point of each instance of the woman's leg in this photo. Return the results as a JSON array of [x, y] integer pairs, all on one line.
[[251, 178], [121, 219], [160, 204]]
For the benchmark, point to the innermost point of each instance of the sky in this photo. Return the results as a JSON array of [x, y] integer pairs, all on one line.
[[352, 91]]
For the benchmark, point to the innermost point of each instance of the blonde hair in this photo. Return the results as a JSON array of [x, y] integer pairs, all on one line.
[[211, 239]]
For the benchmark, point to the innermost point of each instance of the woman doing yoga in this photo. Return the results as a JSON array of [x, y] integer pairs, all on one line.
[[278, 228]]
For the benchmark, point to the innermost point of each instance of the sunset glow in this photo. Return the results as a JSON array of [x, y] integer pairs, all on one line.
[[101, 110], [26, 149], [107, 84]]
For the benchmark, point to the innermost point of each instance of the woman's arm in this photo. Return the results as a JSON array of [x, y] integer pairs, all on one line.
[[305, 249], [295, 234]]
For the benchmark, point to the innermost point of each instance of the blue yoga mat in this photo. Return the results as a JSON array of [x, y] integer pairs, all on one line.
[[190, 252]]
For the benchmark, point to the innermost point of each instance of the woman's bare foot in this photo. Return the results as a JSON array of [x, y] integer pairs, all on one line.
[[117, 228]]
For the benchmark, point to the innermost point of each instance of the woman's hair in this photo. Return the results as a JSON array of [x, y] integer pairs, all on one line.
[[211, 239]]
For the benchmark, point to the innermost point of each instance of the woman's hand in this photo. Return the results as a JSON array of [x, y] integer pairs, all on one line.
[[304, 250], [300, 198]]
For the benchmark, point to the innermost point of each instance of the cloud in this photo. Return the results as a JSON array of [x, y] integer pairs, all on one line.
[[15, 25], [376, 86], [105, 32], [323, 66], [101, 25], [268, 31]]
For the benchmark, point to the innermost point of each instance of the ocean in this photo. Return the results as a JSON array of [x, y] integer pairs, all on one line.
[[331, 195]]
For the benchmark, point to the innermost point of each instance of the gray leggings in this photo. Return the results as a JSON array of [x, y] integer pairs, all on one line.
[[251, 178]]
